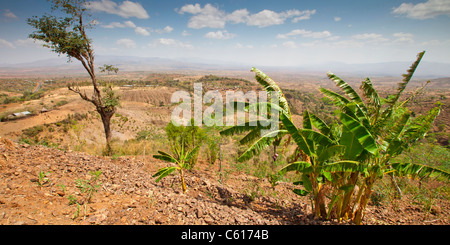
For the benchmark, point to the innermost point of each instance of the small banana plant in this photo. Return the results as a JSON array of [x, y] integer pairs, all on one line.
[[182, 163]]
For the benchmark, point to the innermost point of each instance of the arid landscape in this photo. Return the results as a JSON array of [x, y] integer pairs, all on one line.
[[45, 155]]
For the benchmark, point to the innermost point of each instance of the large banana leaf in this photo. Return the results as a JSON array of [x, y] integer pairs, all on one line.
[[418, 170], [165, 157], [320, 125], [330, 152], [361, 133], [338, 99], [370, 93], [269, 85], [300, 167], [406, 78], [348, 90], [247, 126], [343, 166], [420, 126], [297, 136], [398, 127], [164, 172], [316, 137], [263, 142]]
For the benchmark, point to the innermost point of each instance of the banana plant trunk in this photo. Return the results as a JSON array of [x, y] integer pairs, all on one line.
[[320, 207], [183, 184], [359, 214]]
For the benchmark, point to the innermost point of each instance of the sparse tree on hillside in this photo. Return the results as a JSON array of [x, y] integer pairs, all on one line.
[[67, 35], [109, 68]]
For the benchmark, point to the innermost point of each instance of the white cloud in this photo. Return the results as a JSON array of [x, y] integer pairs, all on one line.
[[127, 23], [370, 37], [220, 35], [171, 43], [185, 33], [144, 31], [167, 29], [208, 16], [305, 33], [403, 37], [269, 18], [337, 19], [141, 31], [4, 43], [212, 17], [290, 44], [29, 43], [191, 9], [238, 16], [425, 10], [126, 9], [266, 18], [128, 43], [8, 14], [304, 15]]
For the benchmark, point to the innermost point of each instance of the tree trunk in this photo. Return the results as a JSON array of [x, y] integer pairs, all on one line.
[[106, 120]]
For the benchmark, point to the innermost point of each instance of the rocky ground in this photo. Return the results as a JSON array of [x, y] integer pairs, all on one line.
[[128, 195]]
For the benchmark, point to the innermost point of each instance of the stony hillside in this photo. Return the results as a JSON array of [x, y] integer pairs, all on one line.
[[128, 195]]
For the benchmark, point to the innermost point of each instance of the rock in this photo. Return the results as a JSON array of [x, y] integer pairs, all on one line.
[[435, 210]]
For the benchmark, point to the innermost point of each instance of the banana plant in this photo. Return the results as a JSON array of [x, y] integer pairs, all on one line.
[[181, 160], [374, 132], [257, 142], [320, 153]]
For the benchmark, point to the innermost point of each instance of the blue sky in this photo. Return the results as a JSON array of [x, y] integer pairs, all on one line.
[[257, 32]]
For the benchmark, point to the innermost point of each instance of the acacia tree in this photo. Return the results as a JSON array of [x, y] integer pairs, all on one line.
[[67, 35]]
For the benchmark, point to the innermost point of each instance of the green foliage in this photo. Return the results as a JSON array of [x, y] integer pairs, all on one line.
[[356, 151], [42, 178], [108, 69], [181, 159], [89, 186], [64, 35], [110, 100], [185, 138], [257, 142]]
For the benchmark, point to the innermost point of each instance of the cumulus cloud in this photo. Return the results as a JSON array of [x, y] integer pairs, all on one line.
[[126, 9], [370, 37], [425, 10], [403, 37], [167, 29], [141, 31], [303, 15], [305, 33], [5, 43], [212, 17], [220, 35], [8, 14], [208, 16], [126, 42], [144, 31], [127, 23], [170, 43]]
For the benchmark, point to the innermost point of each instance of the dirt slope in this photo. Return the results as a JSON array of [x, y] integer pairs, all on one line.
[[129, 195]]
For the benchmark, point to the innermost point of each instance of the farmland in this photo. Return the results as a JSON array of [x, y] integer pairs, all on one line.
[[70, 133]]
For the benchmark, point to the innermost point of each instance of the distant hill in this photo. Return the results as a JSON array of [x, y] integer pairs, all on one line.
[[59, 65]]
